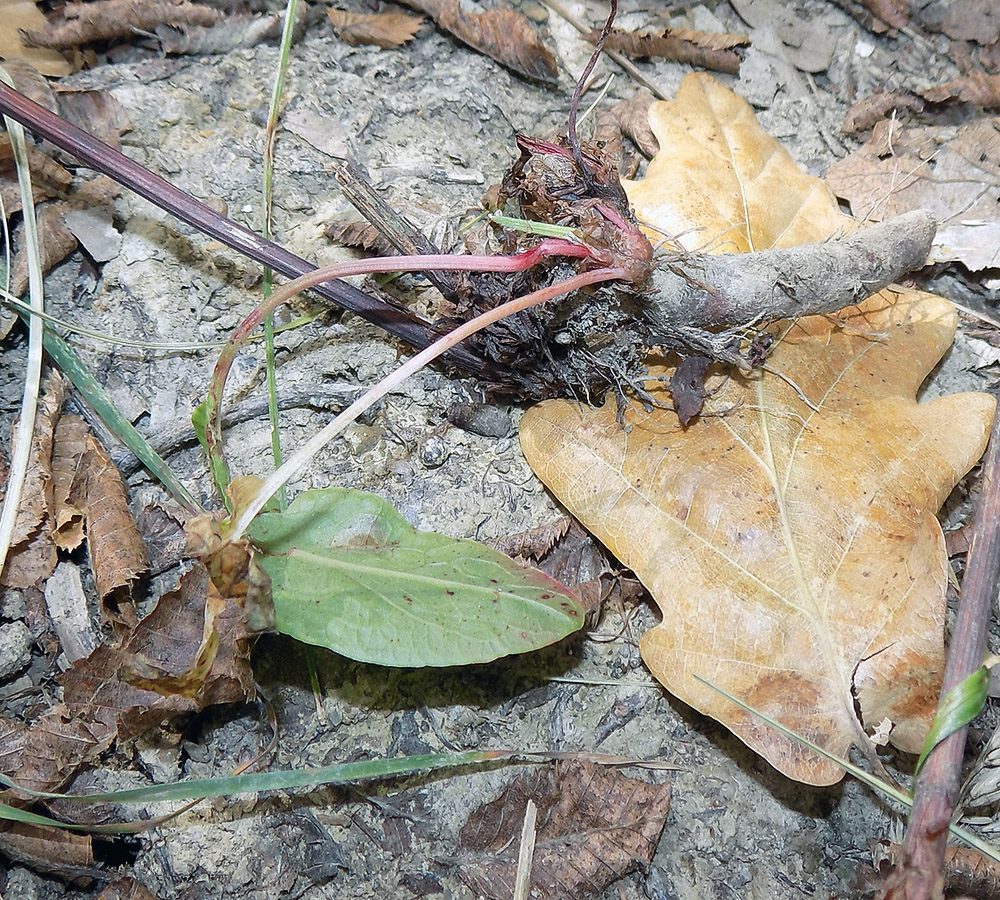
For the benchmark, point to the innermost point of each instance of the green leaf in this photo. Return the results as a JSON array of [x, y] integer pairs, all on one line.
[[350, 574], [959, 707]]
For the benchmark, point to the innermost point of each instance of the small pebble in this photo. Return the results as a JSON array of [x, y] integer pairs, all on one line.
[[536, 12], [15, 648], [433, 452], [478, 418], [12, 605]]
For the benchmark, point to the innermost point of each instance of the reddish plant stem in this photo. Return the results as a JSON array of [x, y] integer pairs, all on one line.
[[99, 156], [294, 464], [918, 874], [506, 264]]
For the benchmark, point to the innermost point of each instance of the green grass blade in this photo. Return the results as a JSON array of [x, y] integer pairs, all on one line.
[[865, 777], [291, 11], [223, 786]]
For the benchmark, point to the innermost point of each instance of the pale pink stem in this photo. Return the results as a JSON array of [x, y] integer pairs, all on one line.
[[519, 262], [295, 463]]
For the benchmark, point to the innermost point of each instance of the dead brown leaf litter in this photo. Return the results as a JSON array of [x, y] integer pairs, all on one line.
[[594, 825], [954, 172], [385, 30]]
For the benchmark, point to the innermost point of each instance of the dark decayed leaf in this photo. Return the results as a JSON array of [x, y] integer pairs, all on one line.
[[503, 34], [687, 387], [350, 574], [386, 30], [595, 825], [100, 705]]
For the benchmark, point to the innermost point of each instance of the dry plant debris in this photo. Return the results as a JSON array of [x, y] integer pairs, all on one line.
[[32, 555], [386, 30], [503, 34], [595, 825], [789, 535], [697, 48], [50, 850], [25, 16], [72, 488], [101, 703], [954, 173], [105, 20], [976, 88]]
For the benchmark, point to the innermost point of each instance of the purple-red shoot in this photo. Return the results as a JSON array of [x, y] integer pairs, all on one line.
[[518, 262]]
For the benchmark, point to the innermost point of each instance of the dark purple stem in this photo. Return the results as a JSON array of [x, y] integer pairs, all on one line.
[[102, 158], [918, 874], [574, 104]]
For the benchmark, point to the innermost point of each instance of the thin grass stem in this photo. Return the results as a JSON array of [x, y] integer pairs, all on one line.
[[287, 32]]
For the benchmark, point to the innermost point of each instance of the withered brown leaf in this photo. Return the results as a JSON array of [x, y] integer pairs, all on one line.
[[106, 20], [953, 173], [69, 482], [100, 706], [505, 35], [57, 243], [977, 88], [386, 30], [50, 850], [595, 825], [704, 49], [360, 236], [633, 118], [117, 553], [873, 108]]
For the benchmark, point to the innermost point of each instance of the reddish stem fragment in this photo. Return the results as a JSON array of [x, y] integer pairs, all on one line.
[[505, 264], [296, 462]]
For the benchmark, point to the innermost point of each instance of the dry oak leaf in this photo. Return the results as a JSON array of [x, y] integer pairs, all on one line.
[[793, 548], [720, 181]]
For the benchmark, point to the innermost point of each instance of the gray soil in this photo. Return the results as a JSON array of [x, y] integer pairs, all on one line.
[[433, 123]]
